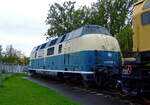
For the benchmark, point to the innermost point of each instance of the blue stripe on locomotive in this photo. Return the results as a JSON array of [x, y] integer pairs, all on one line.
[[78, 61]]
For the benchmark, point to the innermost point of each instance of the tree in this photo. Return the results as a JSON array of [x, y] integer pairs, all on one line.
[[64, 18], [23, 61], [113, 14], [125, 38], [13, 56], [10, 55]]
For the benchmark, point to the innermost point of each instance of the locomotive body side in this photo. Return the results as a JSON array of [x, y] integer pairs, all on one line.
[[82, 55]]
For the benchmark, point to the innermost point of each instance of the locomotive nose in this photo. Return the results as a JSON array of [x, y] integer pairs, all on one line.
[[109, 53], [110, 43]]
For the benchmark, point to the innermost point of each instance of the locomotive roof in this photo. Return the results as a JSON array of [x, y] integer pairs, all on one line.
[[140, 1], [87, 29]]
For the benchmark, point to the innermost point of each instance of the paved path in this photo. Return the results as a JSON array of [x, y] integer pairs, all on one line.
[[82, 96]]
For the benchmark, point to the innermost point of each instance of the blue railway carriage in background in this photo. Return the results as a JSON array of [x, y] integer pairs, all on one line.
[[89, 54]]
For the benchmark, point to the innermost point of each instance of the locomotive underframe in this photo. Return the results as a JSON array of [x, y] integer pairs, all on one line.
[[99, 76], [136, 82], [106, 76]]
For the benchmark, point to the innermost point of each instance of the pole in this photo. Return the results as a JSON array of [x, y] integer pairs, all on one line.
[[0, 74]]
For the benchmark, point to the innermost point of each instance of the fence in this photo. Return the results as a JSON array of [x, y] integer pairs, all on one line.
[[14, 68]]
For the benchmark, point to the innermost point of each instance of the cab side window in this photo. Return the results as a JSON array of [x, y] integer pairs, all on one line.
[[146, 18], [60, 48], [50, 51]]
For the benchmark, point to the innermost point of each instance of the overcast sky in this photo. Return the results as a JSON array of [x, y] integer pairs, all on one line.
[[22, 22]]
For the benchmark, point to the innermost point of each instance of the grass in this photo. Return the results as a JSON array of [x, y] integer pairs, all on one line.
[[18, 91], [5, 76]]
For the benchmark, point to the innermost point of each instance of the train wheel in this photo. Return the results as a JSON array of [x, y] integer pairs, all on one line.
[[86, 84], [122, 86], [122, 94], [60, 76], [145, 95]]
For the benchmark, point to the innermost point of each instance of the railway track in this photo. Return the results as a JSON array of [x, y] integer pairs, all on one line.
[[106, 92], [110, 93]]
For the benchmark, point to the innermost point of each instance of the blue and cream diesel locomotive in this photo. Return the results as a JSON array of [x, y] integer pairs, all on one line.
[[89, 52]]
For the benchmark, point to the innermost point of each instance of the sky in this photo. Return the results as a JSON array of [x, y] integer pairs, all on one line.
[[22, 22]]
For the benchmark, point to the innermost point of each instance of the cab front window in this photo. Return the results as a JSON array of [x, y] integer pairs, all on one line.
[[96, 30], [92, 30], [146, 5]]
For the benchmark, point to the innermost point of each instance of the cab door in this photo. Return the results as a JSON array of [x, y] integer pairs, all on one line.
[[67, 49]]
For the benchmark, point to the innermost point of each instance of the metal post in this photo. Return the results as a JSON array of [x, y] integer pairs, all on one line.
[[0, 74]]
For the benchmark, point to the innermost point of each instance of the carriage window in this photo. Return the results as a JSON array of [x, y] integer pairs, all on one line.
[[37, 48], [146, 18], [59, 39], [60, 48], [43, 45], [146, 5], [53, 42], [50, 51], [63, 38]]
